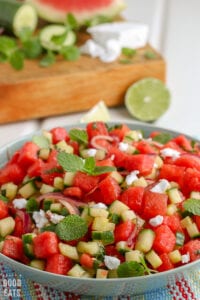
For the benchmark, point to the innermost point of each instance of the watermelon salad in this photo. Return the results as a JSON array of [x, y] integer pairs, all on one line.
[[102, 201]]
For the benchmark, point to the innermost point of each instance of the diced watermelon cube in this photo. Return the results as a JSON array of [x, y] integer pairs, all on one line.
[[165, 239], [154, 204], [133, 198], [45, 244], [193, 248], [13, 247], [58, 264]]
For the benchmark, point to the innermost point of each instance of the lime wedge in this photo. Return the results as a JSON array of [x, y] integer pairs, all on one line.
[[99, 112], [147, 99]]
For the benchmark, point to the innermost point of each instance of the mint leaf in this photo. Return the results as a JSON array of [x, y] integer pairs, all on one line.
[[71, 21], [16, 59], [98, 170], [130, 269], [89, 165], [192, 206], [7, 45], [41, 141], [59, 39], [150, 55], [78, 135], [70, 162], [48, 59], [71, 228], [25, 34], [32, 48], [128, 52], [162, 138], [70, 53]]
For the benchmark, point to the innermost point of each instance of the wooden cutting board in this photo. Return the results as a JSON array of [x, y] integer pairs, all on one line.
[[67, 87]]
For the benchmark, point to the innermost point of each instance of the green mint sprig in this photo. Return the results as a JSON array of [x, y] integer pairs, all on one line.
[[78, 135], [192, 206], [73, 163], [162, 138]]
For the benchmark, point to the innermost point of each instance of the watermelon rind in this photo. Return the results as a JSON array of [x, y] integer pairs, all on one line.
[[51, 14]]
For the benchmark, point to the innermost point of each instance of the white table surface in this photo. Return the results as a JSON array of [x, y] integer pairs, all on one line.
[[175, 32]]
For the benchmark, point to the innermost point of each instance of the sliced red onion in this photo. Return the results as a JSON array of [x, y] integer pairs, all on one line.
[[71, 204], [26, 219], [94, 140]]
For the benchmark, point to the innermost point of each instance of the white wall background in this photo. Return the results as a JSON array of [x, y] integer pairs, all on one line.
[[175, 32]]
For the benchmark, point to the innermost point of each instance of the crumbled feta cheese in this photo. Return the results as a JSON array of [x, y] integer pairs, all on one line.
[[40, 218], [106, 54], [132, 177], [169, 152], [19, 203], [127, 34], [156, 221], [99, 205], [91, 48], [55, 218], [161, 186], [108, 39], [111, 262], [123, 146], [185, 258], [92, 152], [111, 51]]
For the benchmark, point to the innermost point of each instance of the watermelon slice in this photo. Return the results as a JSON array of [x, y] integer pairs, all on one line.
[[83, 10]]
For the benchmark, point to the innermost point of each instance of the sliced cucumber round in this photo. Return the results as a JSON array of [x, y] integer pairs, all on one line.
[[15, 16], [54, 37], [25, 17]]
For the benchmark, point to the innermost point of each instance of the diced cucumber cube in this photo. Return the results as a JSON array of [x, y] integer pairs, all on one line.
[[145, 240], [27, 190], [134, 255], [102, 274], [174, 196], [7, 226], [68, 250], [154, 259], [175, 256], [45, 188], [69, 178], [117, 207], [38, 264]]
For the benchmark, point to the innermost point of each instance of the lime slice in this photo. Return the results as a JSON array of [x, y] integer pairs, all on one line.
[[147, 99], [99, 112]]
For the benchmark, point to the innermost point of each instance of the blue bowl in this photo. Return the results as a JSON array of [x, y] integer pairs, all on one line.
[[98, 287]]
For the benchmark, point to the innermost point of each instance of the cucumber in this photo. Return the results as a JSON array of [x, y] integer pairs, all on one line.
[[10, 190], [106, 237], [193, 230], [175, 256], [154, 259], [27, 190], [77, 271], [38, 264], [68, 250], [7, 226], [62, 37], [15, 16], [174, 196], [145, 240]]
